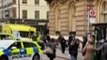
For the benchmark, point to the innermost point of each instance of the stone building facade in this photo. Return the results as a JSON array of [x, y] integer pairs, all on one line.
[[24, 9], [71, 15]]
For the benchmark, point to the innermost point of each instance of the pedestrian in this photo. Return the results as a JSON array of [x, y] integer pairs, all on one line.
[[48, 38], [70, 39], [84, 43], [36, 37], [89, 48], [62, 43], [104, 51], [50, 51], [73, 49], [45, 40]]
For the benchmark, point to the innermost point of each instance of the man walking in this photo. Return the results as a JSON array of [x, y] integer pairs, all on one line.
[[62, 42], [73, 49]]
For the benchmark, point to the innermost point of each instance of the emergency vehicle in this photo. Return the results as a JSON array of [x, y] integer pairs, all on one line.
[[5, 36], [19, 50], [18, 30]]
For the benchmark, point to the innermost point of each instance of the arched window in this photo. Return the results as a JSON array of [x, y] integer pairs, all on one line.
[[72, 25], [103, 16], [57, 19]]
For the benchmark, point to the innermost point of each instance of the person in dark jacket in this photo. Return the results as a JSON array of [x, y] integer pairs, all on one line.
[[73, 49], [62, 43], [48, 38], [104, 52], [70, 39]]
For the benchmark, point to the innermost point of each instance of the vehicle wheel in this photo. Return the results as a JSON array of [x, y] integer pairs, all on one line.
[[3, 58], [36, 57]]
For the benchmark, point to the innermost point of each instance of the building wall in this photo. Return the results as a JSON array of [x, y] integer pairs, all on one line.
[[70, 17], [31, 7], [7, 5]]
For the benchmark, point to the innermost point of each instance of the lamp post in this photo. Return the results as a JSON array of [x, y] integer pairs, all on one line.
[[19, 9], [2, 8], [89, 8]]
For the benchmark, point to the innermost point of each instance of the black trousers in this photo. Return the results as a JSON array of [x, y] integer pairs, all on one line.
[[51, 56], [63, 48]]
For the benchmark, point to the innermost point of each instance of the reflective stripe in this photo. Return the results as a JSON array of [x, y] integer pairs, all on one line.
[[1, 52], [16, 51], [29, 51]]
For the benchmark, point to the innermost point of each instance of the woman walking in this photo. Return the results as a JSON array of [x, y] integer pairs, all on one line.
[[51, 50], [89, 48]]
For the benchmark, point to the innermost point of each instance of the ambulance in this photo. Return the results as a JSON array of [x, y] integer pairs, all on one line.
[[18, 31]]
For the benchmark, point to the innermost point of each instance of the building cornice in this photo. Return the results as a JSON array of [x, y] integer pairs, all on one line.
[[49, 1], [53, 2]]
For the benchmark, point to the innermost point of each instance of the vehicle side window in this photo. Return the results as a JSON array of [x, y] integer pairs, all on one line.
[[28, 44], [16, 44]]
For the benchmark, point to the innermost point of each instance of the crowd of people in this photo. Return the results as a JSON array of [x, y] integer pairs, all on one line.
[[88, 47], [72, 43]]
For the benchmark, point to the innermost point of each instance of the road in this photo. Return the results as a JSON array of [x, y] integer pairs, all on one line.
[[60, 56]]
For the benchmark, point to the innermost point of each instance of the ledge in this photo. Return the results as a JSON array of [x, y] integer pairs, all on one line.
[[49, 1]]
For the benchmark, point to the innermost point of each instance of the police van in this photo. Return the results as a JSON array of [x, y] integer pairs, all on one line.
[[19, 50]]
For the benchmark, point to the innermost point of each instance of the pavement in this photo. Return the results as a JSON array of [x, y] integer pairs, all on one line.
[[61, 56]]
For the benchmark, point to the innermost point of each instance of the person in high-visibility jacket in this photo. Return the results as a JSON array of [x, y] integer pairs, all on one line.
[[38, 37]]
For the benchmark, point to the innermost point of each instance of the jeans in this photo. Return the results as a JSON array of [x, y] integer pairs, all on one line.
[[73, 57]]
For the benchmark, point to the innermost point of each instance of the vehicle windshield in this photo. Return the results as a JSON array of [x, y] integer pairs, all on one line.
[[25, 34], [5, 37], [4, 44]]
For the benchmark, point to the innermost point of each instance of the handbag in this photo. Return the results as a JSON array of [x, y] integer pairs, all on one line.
[[48, 50]]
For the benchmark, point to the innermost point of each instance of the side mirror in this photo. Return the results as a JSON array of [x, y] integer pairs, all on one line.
[[14, 47]]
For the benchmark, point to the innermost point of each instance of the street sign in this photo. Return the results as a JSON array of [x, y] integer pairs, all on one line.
[[92, 16], [92, 13], [92, 20]]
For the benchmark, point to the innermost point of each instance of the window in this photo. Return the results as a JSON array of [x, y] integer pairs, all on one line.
[[24, 34], [104, 11], [6, 13], [36, 14], [29, 44], [16, 44], [37, 2], [24, 14], [24, 1], [57, 19]]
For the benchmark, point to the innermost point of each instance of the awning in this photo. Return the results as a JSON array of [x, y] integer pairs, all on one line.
[[103, 25]]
